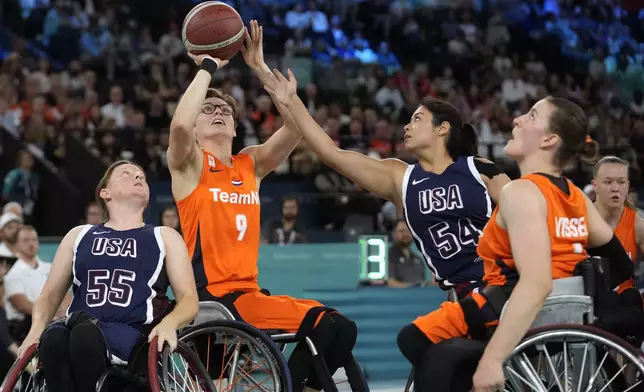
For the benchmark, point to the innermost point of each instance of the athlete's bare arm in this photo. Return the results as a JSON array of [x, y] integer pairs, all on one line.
[[280, 145], [182, 281], [531, 251], [494, 181], [55, 288], [382, 177], [599, 232], [639, 232], [184, 162]]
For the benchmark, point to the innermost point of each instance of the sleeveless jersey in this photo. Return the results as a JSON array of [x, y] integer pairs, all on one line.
[[446, 213], [119, 276], [567, 227], [220, 224], [627, 236]]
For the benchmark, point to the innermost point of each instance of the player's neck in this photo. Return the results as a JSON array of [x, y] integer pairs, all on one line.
[[435, 163], [611, 215], [222, 150], [537, 165], [125, 218]]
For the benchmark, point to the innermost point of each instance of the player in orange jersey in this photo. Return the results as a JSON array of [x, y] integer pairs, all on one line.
[[540, 229], [611, 184], [219, 209]]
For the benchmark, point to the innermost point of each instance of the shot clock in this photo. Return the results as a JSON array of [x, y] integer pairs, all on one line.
[[373, 259]]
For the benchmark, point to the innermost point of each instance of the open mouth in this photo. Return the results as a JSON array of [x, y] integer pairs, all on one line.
[[217, 121], [615, 198]]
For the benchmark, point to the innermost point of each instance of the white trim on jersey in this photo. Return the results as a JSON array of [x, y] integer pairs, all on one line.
[[477, 176], [149, 309], [77, 241], [428, 260]]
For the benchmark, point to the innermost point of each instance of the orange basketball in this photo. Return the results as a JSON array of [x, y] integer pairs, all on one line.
[[213, 28]]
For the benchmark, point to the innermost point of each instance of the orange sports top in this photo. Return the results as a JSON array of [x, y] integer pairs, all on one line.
[[626, 234], [220, 224], [567, 225]]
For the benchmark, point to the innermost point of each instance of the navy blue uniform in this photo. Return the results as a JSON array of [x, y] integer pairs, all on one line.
[[120, 280], [446, 214]]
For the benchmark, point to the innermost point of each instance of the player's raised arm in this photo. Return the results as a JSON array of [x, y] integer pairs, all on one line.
[[183, 144], [54, 290], [281, 144], [375, 175]]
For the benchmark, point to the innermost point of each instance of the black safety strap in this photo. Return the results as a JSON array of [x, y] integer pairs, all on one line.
[[308, 323], [228, 301], [473, 318], [496, 298]]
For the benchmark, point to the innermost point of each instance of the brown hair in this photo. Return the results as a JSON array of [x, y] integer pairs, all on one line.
[[27, 228], [570, 123], [628, 202], [218, 93], [102, 184], [608, 159]]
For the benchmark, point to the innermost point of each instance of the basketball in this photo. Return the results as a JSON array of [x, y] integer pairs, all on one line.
[[213, 28]]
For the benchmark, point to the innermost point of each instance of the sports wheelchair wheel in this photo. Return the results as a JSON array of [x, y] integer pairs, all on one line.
[[238, 356], [167, 372], [573, 358]]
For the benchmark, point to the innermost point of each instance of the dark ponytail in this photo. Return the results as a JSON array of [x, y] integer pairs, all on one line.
[[462, 141]]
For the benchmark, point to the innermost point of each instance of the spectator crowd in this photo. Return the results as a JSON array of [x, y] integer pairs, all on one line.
[[110, 75]]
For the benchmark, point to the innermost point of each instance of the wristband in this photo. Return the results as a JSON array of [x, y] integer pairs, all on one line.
[[209, 65]]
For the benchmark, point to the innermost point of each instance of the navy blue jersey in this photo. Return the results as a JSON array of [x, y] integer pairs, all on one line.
[[119, 276], [446, 214]]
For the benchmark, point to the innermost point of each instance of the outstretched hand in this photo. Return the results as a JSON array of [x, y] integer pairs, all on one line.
[[253, 50], [281, 88]]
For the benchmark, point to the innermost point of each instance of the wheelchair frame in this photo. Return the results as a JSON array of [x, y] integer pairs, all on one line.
[[154, 358], [567, 312], [210, 311]]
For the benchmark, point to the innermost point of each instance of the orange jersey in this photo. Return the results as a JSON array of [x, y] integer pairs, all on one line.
[[220, 224], [567, 226], [627, 236]]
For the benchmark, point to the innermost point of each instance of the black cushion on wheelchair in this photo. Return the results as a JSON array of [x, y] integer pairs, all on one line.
[[595, 272], [450, 365], [622, 315]]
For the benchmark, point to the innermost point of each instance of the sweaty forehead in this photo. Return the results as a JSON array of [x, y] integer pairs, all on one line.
[[215, 101], [425, 113], [612, 170]]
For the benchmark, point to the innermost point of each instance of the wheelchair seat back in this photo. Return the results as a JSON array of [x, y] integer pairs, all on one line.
[[212, 310], [566, 304]]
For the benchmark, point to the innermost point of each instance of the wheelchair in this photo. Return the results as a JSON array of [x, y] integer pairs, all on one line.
[[167, 371], [239, 356], [563, 351]]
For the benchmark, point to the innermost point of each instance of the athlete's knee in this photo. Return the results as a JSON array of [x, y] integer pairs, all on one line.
[[347, 330], [86, 339], [413, 343], [54, 342]]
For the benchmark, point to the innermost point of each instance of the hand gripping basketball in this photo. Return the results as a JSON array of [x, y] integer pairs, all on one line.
[[198, 58]]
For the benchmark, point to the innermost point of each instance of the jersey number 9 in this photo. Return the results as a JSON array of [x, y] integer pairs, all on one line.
[[242, 226], [447, 243], [102, 288]]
